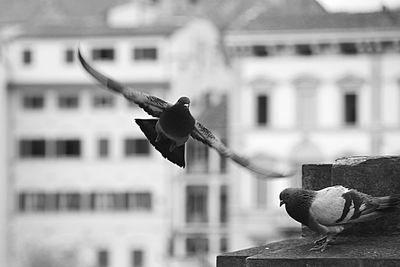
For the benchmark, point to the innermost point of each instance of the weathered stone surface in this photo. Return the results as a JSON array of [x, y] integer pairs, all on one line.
[[316, 176], [348, 251], [237, 258]]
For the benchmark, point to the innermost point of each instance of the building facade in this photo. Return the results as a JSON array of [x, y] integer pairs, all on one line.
[[313, 88], [87, 187]]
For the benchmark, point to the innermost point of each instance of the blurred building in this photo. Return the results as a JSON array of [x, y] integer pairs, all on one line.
[[291, 83], [313, 87], [87, 188]]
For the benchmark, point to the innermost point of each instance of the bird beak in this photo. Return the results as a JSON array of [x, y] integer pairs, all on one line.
[[281, 203]]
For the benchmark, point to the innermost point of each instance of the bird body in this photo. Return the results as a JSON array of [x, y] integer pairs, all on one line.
[[173, 125], [176, 122], [329, 210]]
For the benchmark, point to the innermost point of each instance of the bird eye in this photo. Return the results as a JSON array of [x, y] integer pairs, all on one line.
[[186, 105]]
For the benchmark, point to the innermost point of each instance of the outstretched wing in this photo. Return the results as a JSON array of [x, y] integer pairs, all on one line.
[[204, 135], [154, 106]]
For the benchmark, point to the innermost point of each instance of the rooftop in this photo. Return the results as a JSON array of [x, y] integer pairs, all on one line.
[[269, 21]]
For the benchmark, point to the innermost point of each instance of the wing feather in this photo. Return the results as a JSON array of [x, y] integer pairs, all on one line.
[[204, 135], [154, 106], [338, 205]]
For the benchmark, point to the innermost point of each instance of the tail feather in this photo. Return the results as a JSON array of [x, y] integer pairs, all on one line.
[[148, 127], [389, 202]]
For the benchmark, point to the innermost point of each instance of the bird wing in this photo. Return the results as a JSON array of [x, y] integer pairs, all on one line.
[[338, 205], [204, 135], [154, 106]]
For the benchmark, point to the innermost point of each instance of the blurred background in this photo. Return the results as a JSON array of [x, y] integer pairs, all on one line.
[[279, 81]]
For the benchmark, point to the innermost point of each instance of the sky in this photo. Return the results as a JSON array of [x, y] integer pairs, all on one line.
[[358, 5]]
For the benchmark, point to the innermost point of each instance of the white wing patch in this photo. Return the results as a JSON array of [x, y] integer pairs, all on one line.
[[328, 205]]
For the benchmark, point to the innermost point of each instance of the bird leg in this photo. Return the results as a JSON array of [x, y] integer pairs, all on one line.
[[159, 137], [321, 240], [172, 147]]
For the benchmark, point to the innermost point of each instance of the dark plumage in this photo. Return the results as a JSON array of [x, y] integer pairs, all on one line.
[[176, 156], [329, 210], [174, 125]]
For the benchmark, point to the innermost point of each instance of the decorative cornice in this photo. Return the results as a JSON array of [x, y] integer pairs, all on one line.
[[306, 81], [262, 83], [350, 82]]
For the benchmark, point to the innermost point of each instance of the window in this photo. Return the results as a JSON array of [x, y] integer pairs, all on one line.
[[33, 101], [260, 50], [22, 202], [103, 54], [196, 245], [102, 258], [32, 148], [100, 201], [223, 244], [69, 55], [348, 48], [197, 156], [39, 202], [73, 201], [102, 148], [139, 147], [68, 148], [119, 201], [196, 204], [103, 101], [388, 46], [145, 54], [76, 201], [350, 108], [140, 201], [303, 50], [223, 200], [27, 57], [137, 259], [68, 101], [262, 109]]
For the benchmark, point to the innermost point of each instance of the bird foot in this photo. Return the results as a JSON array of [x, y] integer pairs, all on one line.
[[320, 246], [320, 241]]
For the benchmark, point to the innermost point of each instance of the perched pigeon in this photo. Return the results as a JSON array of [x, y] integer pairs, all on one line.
[[329, 210], [174, 125]]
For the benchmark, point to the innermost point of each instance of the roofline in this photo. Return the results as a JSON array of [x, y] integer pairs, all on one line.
[[143, 86], [76, 31], [337, 33]]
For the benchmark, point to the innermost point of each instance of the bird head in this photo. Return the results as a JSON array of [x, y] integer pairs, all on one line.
[[284, 196], [184, 101]]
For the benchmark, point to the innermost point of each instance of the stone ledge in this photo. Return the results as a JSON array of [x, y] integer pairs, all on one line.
[[348, 251], [376, 243]]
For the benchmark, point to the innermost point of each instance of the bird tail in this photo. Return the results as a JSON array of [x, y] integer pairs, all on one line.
[[388, 203], [176, 156]]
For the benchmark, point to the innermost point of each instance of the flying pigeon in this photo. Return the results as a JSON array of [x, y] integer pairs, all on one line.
[[329, 210], [173, 125]]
